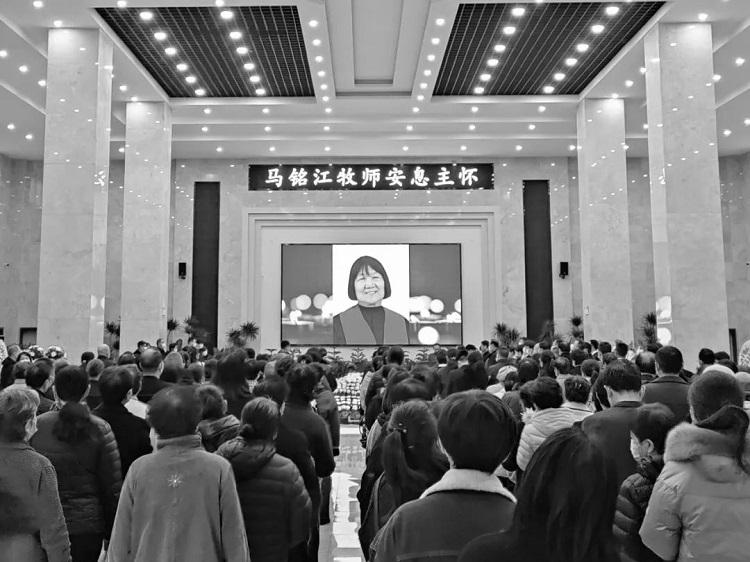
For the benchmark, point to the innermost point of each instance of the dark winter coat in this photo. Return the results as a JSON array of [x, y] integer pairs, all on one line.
[[300, 416], [328, 409], [131, 433], [88, 475], [631, 508], [275, 505], [215, 432], [670, 390]]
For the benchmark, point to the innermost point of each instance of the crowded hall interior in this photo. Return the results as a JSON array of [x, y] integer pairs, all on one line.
[[374, 280]]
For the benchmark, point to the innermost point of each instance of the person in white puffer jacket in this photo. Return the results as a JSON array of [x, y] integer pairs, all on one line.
[[544, 418]]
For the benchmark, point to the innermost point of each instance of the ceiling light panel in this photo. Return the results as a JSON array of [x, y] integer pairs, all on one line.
[[208, 44], [542, 45]]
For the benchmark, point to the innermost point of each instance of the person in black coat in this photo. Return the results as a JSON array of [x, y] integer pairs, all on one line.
[[152, 365], [131, 432], [669, 388], [40, 377], [649, 434]]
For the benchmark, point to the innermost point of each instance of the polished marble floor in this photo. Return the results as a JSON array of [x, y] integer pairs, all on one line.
[[338, 539]]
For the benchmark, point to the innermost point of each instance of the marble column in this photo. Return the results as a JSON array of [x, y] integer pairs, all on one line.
[[145, 223], [605, 234], [689, 268], [74, 194]]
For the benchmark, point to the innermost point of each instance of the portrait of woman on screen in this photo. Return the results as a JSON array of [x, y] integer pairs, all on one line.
[[368, 322]]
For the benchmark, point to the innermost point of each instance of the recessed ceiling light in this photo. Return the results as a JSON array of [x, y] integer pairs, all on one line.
[[716, 77], [123, 87], [249, 66], [472, 126], [548, 89], [427, 72], [420, 97], [255, 79], [235, 35], [219, 149], [703, 16], [423, 85], [316, 42], [629, 83], [642, 70], [207, 110], [405, 148], [204, 129], [485, 77], [474, 109], [42, 83], [327, 148], [11, 126], [267, 128], [615, 96], [3, 54], [145, 15], [325, 99], [319, 58], [747, 122], [219, 3], [226, 14], [597, 28], [541, 109], [200, 92], [435, 40], [134, 99], [727, 132], [612, 10], [326, 128], [415, 109], [191, 79], [739, 61], [242, 50], [328, 110], [23, 69], [559, 76], [57, 23], [38, 4], [170, 51], [121, 150], [160, 35], [266, 110], [431, 58], [571, 147], [463, 147], [582, 47], [509, 30], [645, 126], [499, 48], [272, 149], [182, 67], [440, 21], [518, 12], [260, 91], [313, 23], [532, 126], [122, 4], [570, 61], [321, 73], [519, 148], [324, 86], [29, 136], [410, 128]]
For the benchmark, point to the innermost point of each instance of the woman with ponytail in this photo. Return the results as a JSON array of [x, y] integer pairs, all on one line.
[[83, 450], [275, 505], [700, 507]]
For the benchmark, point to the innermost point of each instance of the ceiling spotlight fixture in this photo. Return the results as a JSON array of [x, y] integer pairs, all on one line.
[[541, 109], [485, 77], [219, 149], [255, 79], [747, 122], [629, 83], [181, 67], [532, 126], [204, 129], [267, 129], [319, 58], [612, 10], [727, 132], [266, 110], [145, 15], [427, 72], [324, 86], [326, 128], [571, 147], [405, 148], [170, 51], [492, 63], [134, 99], [582, 47], [463, 148], [410, 128], [739, 61], [316, 42], [548, 89], [23, 69], [235, 35], [226, 14], [121, 150], [420, 97], [478, 90], [518, 12], [472, 126], [38, 4], [499, 48], [207, 110], [191, 79], [597, 28], [440, 21], [260, 91], [11, 126], [435, 40], [272, 149], [423, 85], [29, 136], [42, 83], [328, 110], [313, 23], [123, 87], [200, 92], [122, 4], [716, 77], [642, 70], [571, 61], [474, 109], [160, 35], [3, 54], [509, 30], [325, 99], [57, 23], [415, 109], [615, 96], [559, 76], [327, 148], [242, 50], [249, 66], [519, 148], [702, 16], [431, 57], [321, 73], [219, 3]]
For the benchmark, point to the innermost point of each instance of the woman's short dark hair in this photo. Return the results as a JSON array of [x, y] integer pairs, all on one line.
[[38, 373], [174, 411], [74, 424], [653, 421], [114, 384], [477, 430], [577, 389], [569, 491], [302, 380], [621, 375], [231, 374], [17, 406], [546, 393], [363, 264], [260, 419], [212, 402], [590, 367]]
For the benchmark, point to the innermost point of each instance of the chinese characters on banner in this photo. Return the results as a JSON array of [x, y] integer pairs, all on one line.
[[370, 176]]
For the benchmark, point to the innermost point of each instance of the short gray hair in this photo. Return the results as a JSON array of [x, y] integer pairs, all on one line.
[[17, 406]]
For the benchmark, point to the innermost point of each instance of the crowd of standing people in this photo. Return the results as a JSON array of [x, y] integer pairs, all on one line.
[[551, 451]]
